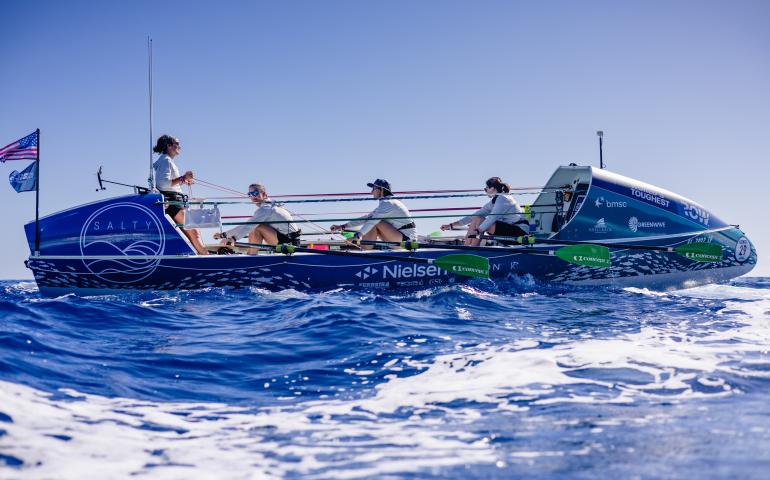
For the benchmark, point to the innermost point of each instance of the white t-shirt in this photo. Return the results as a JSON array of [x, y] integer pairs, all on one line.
[[502, 208], [165, 172], [388, 207], [267, 212]]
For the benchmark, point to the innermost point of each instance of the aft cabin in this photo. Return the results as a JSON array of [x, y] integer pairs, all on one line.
[[560, 200], [586, 203]]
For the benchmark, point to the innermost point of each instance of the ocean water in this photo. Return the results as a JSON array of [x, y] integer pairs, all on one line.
[[469, 381]]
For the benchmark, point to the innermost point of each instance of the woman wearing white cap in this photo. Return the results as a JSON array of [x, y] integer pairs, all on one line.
[[389, 222]]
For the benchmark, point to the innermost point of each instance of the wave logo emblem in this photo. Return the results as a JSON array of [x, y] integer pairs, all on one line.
[[634, 224], [127, 239]]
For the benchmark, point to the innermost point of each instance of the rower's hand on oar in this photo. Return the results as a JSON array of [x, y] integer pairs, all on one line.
[[188, 178], [355, 240], [337, 228], [446, 227], [224, 238]]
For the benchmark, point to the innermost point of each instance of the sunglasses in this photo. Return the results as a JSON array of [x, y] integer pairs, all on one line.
[[255, 193]]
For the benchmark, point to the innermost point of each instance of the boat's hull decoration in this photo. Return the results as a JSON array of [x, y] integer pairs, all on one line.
[[127, 243]]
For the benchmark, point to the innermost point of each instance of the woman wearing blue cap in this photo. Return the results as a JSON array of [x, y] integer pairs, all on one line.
[[389, 222]]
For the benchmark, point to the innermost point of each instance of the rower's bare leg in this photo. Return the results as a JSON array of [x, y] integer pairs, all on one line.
[[192, 234], [388, 233], [255, 237], [371, 235], [474, 225], [269, 234]]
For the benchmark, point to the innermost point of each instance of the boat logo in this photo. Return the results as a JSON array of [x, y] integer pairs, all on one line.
[[121, 242], [366, 273], [634, 224], [609, 203], [600, 227], [696, 213], [742, 249]]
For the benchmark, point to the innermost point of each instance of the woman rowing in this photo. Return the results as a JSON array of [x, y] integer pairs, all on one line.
[[169, 183], [389, 222], [273, 223], [501, 216]]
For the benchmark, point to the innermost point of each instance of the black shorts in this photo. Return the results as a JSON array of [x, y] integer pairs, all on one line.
[[172, 210], [507, 230], [292, 238]]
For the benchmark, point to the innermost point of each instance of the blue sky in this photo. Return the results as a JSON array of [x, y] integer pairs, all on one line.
[[326, 96]]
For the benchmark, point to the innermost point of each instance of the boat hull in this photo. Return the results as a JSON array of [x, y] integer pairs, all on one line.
[[86, 275], [128, 243]]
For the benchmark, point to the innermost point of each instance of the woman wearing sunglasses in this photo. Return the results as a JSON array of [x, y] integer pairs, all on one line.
[[169, 182], [270, 224], [500, 216]]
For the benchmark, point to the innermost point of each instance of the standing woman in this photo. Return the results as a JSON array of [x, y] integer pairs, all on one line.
[[500, 216], [169, 183]]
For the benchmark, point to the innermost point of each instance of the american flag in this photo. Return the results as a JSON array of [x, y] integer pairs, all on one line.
[[24, 149]]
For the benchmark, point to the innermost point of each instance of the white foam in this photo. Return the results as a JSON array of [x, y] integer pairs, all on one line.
[[725, 292], [215, 441]]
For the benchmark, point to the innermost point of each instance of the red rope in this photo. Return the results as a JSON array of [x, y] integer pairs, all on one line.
[[357, 213]]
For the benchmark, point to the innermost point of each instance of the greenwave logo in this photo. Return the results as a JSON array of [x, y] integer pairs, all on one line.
[[634, 224]]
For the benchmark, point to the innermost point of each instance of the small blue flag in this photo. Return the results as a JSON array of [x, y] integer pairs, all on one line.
[[24, 181]]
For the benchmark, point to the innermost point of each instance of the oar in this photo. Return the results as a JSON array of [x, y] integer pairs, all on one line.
[[459, 264], [697, 252], [585, 254]]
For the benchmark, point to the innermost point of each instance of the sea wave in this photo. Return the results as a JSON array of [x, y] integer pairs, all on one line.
[[453, 382]]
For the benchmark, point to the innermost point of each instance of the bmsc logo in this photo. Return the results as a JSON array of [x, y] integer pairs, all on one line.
[[127, 237]]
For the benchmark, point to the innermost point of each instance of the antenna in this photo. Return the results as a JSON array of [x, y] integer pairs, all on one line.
[[150, 178], [600, 134], [99, 178], [137, 189]]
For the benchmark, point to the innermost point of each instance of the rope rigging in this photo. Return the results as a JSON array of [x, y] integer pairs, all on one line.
[[347, 197]]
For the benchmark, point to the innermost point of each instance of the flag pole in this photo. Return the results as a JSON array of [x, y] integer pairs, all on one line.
[[150, 179], [37, 197]]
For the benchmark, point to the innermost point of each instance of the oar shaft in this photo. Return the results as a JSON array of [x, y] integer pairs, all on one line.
[[416, 245], [575, 242], [290, 248]]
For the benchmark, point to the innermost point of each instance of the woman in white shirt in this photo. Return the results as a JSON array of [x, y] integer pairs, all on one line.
[[271, 223], [501, 216], [169, 183], [390, 221]]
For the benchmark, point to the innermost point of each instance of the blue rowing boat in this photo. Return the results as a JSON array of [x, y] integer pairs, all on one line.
[[645, 236]]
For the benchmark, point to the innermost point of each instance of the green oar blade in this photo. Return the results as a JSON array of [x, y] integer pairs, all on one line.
[[587, 255], [464, 264], [700, 252]]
